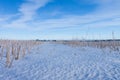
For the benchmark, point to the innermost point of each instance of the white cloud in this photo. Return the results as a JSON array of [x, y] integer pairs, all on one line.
[[77, 22], [28, 9], [105, 15], [27, 12]]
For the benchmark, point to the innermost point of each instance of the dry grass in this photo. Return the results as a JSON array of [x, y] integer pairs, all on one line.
[[112, 45], [12, 50], [15, 49]]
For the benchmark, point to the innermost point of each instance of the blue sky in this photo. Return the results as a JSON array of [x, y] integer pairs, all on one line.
[[59, 19]]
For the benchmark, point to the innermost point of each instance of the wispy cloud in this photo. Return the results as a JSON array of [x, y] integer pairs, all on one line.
[[27, 11], [104, 15], [91, 21], [103, 12]]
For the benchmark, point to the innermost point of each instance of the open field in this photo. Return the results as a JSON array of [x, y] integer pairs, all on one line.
[[59, 60], [59, 39]]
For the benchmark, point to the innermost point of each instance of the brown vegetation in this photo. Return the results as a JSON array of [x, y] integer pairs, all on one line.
[[15, 49], [112, 45]]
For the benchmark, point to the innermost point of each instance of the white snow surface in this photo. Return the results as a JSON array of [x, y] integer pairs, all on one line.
[[62, 62]]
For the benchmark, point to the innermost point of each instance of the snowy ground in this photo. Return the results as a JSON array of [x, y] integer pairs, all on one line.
[[63, 62]]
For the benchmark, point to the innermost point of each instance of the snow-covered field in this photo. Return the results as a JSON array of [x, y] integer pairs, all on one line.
[[62, 62]]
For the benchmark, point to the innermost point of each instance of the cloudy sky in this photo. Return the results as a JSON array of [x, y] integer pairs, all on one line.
[[59, 19]]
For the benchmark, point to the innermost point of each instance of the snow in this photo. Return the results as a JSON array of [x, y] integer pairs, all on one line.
[[51, 61]]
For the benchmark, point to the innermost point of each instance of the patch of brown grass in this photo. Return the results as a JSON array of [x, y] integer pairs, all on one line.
[[15, 49]]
